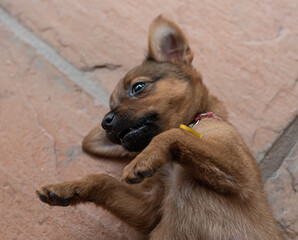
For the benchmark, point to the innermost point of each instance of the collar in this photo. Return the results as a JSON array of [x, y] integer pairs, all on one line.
[[196, 120], [199, 117]]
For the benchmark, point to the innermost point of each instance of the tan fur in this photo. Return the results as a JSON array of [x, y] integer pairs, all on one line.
[[208, 188]]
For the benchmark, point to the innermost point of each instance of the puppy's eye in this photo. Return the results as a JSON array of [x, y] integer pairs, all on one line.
[[137, 88]]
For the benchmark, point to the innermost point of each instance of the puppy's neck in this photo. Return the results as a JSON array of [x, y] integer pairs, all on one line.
[[203, 101], [216, 106]]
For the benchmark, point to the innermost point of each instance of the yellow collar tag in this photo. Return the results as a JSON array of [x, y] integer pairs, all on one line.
[[182, 126]]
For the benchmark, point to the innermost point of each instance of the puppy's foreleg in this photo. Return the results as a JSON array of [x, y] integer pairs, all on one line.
[[125, 202], [218, 163]]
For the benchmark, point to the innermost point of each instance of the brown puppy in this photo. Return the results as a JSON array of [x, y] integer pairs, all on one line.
[[189, 187]]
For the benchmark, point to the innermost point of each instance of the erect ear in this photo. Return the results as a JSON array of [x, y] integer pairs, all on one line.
[[96, 142], [167, 42]]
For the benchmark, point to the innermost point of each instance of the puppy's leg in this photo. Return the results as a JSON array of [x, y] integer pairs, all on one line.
[[220, 162], [127, 203]]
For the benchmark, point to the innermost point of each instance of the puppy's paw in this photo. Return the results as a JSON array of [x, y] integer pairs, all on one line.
[[62, 194], [143, 166]]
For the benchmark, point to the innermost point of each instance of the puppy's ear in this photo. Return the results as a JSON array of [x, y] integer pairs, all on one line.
[[167, 42], [97, 143]]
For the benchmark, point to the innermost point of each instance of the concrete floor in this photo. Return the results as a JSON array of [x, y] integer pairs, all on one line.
[[60, 60]]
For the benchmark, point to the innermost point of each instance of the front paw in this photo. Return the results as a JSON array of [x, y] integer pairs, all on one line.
[[62, 194], [143, 166]]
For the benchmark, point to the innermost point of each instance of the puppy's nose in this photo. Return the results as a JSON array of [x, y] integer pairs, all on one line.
[[107, 122]]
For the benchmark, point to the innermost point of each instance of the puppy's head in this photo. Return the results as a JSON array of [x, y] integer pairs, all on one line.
[[150, 99], [160, 94]]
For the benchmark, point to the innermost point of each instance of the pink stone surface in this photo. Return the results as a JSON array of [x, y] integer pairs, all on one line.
[[247, 52], [44, 117]]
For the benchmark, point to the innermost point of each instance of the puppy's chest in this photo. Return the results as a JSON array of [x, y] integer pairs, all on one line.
[[179, 186]]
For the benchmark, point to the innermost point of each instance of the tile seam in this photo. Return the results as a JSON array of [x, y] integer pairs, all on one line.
[[279, 150]]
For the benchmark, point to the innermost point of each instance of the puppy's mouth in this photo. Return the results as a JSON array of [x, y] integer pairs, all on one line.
[[130, 131], [139, 133]]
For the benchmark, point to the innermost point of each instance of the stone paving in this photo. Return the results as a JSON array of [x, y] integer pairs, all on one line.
[[59, 60]]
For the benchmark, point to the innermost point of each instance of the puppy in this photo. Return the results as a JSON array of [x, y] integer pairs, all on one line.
[[195, 182]]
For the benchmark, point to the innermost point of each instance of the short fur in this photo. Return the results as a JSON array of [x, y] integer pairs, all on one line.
[[188, 188]]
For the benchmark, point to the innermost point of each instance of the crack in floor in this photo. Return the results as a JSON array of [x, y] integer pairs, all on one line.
[[292, 179], [108, 66]]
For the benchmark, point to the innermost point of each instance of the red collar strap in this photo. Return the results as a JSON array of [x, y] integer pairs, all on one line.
[[199, 117], [196, 120]]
